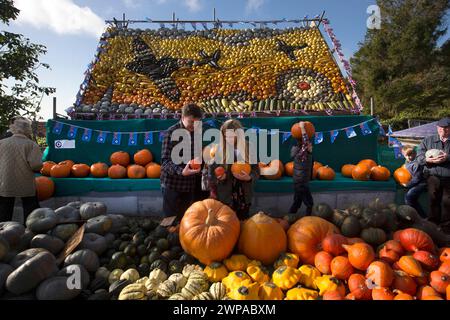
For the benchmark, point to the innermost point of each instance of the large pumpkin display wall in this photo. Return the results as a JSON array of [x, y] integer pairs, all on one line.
[[170, 68], [209, 231]]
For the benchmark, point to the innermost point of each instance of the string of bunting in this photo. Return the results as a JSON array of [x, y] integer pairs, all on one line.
[[102, 135], [338, 48]]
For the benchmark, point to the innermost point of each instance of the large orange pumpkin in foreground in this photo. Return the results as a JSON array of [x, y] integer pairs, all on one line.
[[47, 166], [347, 169], [99, 170], [60, 171], [143, 157], [136, 172], [153, 170], [209, 230], [305, 237], [262, 238], [45, 188], [296, 131], [402, 176], [117, 171], [80, 170], [120, 157], [272, 171]]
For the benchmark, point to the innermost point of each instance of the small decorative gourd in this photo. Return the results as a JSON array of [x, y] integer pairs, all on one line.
[[329, 283], [179, 279], [285, 277], [130, 274], [134, 291], [158, 275], [308, 274], [218, 291], [245, 292], [216, 271], [301, 294], [177, 296], [188, 269], [237, 262], [115, 275], [258, 274], [167, 288], [236, 278], [287, 259], [269, 291], [203, 296]]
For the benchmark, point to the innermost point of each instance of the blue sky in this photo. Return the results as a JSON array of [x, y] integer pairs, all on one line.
[[70, 28]]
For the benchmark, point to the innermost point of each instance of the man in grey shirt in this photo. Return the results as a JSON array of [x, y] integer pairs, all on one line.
[[437, 173]]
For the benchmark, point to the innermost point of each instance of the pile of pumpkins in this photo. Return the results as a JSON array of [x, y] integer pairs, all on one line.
[[259, 259], [253, 69], [120, 168], [366, 170]]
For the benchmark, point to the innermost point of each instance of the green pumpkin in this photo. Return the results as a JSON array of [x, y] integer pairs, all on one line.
[[351, 227], [374, 236], [374, 218], [64, 231], [175, 266], [160, 232], [377, 205], [149, 225], [153, 257], [4, 248], [339, 217], [323, 211], [41, 220], [56, 289], [119, 260], [174, 239], [159, 264], [130, 250], [187, 259], [138, 238], [163, 244], [391, 223], [167, 256], [141, 250], [356, 210], [143, 269], [407, 214]]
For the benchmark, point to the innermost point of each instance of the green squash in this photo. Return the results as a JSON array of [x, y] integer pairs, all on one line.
[[163, 244], [160, 232], [159, 264], [141, 250], [377, 205], [24, 256], [85, 257], [5, 271], [149, 225], [153, 257], [116, 244], [391, 223], [187, 259], [407, 214], [356, 210], [67, 214], [119, 260], [138, 238], [175, 266], [374, 218], [31, 273], [351, 227], [99, 283], [374, 236], [167, 256], [323, 211], [99, 225], [41, 220], [130, 250], [339, 217], [143, 269], [174, 239], [12, 232], [94, 242], [90, 210], [116, 287], [177, 251], [56, 289], [64, 231], [46, 241], [75, 204], [4, 249], [25, 240]]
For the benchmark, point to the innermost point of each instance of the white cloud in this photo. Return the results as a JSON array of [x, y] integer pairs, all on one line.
[[253, 5], [193, 5], [62, 17]]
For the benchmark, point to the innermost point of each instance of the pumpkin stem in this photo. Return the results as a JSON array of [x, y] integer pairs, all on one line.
[[211, 218]]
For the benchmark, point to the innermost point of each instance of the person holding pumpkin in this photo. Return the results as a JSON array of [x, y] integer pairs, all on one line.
[[233, 187], [20, 158], [303, 165], [417, 185], [179, 182], [437, 172]]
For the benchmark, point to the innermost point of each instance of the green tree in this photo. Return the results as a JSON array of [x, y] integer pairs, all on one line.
[[401, 65], [20, 92]]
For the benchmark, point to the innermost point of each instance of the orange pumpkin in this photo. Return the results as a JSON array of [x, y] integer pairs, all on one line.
[[380, 274], [445, 255], [262, 238], [369, 162], [316, 167], [426, 291], [283, 223], [45, 188], [355, 240], [332, 295], [117, 171], [387, 255], [394, 245], [403, 296], [305, 237], [289, 168], [99, 170], [381, 293], [209, 231], [326, 173], [238, 167], [219, 171], [433, 298], [297, 133], [380, 173], [272, 171], [361, 172], [143, 157], [439, 281], [322, 261], [447, 293], [120, 157], [135, 171], [80, 170], [402, 176], [46, 167], [414, 240], [68, 163], [347, 169], [341, 268], [428, 260], [153, 170], [60, 171], [360, 255], [445, 268], [333, 244], [358, 287], [404, 283]]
